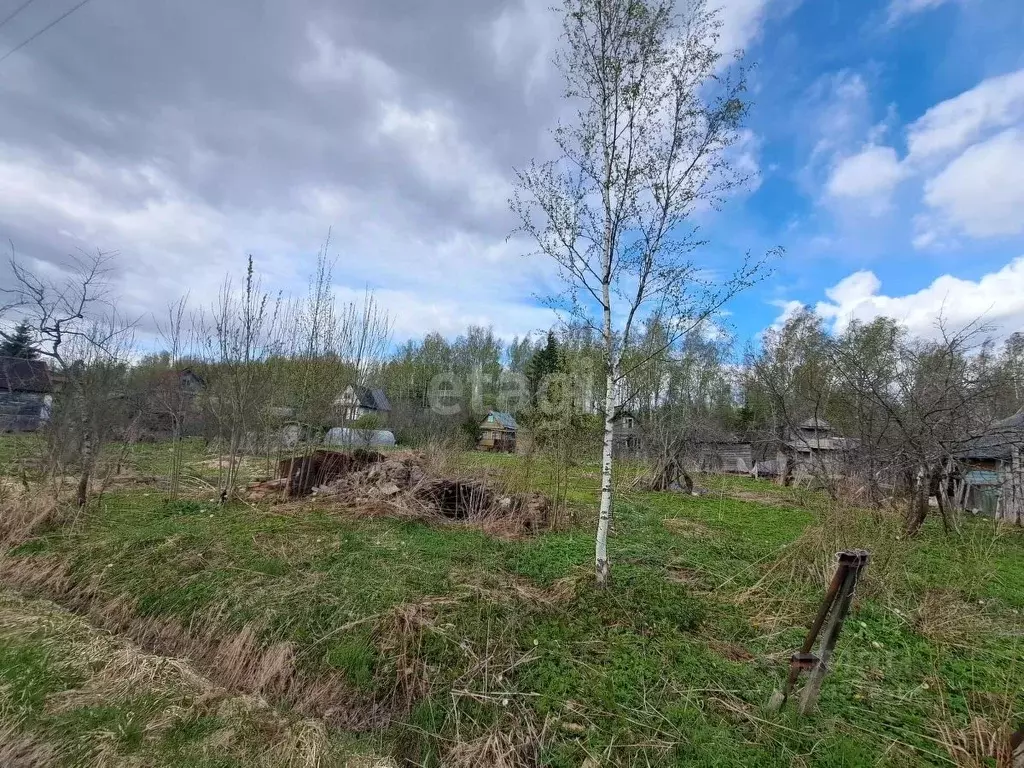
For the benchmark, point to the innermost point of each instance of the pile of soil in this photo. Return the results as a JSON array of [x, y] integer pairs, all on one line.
[[402, 483]]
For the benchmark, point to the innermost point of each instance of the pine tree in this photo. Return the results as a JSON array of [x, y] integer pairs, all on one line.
[[19, 343], [545, 361]]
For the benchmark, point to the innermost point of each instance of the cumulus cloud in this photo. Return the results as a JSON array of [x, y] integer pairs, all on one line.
[[965, 153], [951, 125], [982, 190], [997, 298], [871, 174]]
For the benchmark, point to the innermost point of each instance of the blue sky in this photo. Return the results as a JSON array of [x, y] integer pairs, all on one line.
[[835, 78], [888, 136]]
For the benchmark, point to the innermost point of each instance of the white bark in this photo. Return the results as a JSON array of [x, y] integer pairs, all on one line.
[[604, 519], [1013, 498]]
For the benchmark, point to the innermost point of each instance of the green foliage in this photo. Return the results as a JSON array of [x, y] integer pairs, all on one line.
[[370, 421], [20, 342], [671, 664]]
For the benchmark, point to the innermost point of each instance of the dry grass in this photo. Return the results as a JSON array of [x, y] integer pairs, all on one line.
[[24, 511], [115, 672], [985, 739], [686, 527], [944, 617], [237, 660], [18, 750], [509, 743]]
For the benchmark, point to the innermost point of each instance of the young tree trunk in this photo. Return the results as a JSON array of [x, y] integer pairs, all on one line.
[[918, 509], [603, 568], [82, 495], [1013, 504]]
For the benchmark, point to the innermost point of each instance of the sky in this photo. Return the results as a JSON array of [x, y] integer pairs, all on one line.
[[887, 138]]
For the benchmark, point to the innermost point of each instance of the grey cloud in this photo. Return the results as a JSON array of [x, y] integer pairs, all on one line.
[[184, 134]]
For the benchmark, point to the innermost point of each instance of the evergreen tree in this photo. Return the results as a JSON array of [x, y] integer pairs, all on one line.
[[19, 343], [545, 361]]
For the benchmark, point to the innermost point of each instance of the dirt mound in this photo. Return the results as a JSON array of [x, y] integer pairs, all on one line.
[[404, 484]]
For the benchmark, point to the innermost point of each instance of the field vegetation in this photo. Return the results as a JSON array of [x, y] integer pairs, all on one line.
[[146, 630]]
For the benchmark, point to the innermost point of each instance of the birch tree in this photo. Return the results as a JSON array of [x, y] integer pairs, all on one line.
[[657, 110]]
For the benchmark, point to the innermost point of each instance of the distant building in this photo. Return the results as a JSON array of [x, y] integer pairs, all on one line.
[[25, 387], [626, 440], [167, 397], [992, 470], [358, 400], [813, 448], [497, 433], [729, 455]]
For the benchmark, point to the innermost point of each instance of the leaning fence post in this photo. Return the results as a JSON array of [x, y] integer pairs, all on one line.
[[834, 607]]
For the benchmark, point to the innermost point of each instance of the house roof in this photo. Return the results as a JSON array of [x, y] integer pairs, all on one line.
[[372, 398], [20, 375], [506, 420], [997, 441], [823, 444], [815, 422]]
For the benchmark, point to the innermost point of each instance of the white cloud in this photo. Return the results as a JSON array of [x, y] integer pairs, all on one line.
[[997, 297], [179, 243], [431, 140], [742, 21], [982, 191], [900, 9], [872, 173], [789, 310], [965, 154], [333, 64], [951, 125]]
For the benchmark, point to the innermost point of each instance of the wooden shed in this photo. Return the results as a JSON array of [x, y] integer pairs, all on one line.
[[992, 469], [497, 433]]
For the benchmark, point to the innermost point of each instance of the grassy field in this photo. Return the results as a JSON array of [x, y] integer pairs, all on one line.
[[154, 632]]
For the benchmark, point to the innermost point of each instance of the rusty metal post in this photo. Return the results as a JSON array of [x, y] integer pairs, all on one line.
[[854, 561], [834, 607]]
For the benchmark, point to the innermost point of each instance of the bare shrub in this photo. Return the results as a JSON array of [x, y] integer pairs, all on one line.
[[511, 742]]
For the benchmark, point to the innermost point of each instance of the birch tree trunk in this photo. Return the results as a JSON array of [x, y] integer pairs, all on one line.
[[604, 519]]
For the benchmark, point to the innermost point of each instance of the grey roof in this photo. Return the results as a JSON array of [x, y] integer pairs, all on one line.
[[20, 375], [997, 441], [814, 422], [823, 444], [374, 399], [504, 419]]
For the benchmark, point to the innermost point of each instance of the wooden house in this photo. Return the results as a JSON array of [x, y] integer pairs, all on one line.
[[626, 435], [25, 387], [358, 400], [812, 449], [497, 433], [729, 455], [991, 476]]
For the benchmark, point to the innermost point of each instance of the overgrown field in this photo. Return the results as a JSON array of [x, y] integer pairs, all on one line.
[[148, 631]]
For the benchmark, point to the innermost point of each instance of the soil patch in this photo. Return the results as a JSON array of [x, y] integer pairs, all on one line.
[[404, 485]]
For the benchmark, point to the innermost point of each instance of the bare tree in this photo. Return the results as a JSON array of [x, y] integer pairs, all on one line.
[[170, 394], [80, 332], [649, 147], [238, 338]]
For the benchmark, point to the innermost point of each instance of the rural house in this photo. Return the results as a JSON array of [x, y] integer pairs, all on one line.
[[992, 471], [497, 433], [168, 396], [813, 448], [729, 455], [25, 387], [358, 400], [627, 434]]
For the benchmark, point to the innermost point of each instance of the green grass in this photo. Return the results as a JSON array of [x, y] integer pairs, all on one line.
[[672, 665]]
